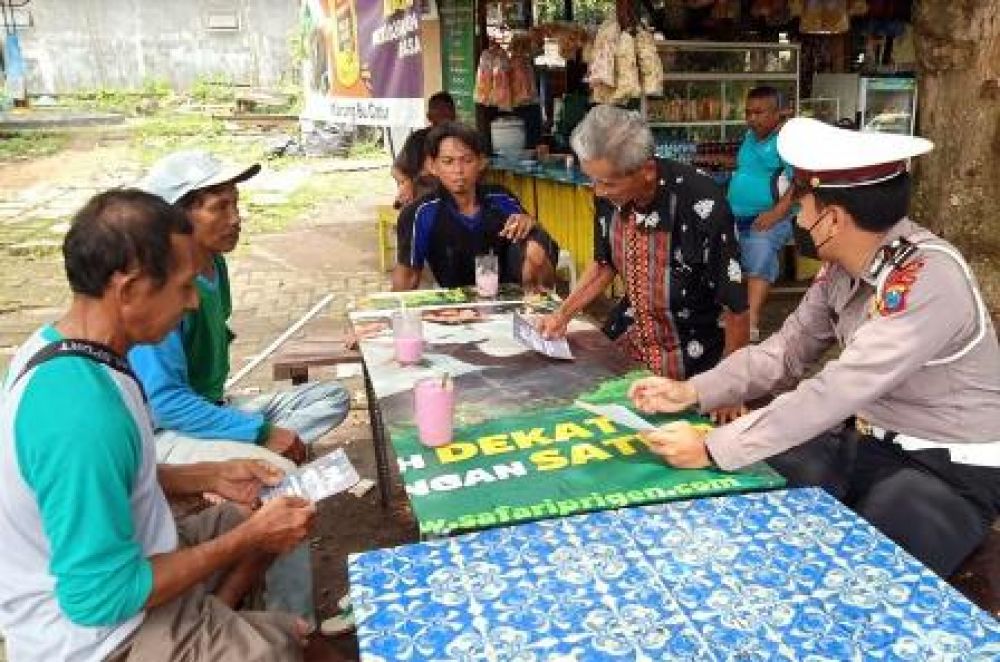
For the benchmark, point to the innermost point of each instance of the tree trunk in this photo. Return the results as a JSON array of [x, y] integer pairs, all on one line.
[[957, 192]]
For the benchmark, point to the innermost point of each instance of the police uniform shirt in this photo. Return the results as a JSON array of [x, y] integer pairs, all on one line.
[[431, 230], [680, 264], [926, 311]]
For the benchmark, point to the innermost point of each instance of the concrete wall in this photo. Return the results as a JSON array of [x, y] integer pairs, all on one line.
[[89, 44]]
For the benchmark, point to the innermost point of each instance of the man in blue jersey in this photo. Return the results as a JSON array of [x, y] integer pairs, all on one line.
[[448, 228], [94, 566], [759, 199]]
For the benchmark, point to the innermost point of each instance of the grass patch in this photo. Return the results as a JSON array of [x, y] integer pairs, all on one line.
[[316, 191], [19, 145], [157, 136], [367, 149], [213, 89], [368, 143], [120, 100]]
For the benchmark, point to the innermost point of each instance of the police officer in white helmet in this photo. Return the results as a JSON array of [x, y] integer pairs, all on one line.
[[904, 425]]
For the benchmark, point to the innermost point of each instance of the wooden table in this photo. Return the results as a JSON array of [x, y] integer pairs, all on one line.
[[521, 450]]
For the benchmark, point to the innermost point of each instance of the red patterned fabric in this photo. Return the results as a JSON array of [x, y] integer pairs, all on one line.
[[645, 255]]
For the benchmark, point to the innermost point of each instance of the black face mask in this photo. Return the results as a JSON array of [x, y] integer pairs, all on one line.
[[804, 243]]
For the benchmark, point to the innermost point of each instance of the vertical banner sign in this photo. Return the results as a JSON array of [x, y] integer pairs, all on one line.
[[458, 20], [366, 64]]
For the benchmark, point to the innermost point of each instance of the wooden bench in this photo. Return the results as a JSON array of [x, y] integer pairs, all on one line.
[[294, 360]]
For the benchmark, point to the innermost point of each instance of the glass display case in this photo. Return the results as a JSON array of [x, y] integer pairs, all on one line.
[[704, 92], [888, 104], [824, 109]]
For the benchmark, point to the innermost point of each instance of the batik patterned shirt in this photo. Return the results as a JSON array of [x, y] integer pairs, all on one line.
[[680, 264]]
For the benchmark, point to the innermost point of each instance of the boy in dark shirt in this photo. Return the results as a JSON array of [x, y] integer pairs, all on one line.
[[448, 228]]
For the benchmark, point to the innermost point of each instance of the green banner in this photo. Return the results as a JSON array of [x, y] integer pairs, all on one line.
[[458, 54], [546, 463]]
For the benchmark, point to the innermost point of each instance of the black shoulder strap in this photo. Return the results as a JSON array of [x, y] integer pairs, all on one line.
[[87, 349]]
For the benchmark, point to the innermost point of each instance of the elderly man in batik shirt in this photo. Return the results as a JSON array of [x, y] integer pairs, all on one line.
[[667, 230]]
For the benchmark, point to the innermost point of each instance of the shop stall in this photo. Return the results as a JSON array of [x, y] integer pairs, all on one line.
[[698, 119], [526, 70]]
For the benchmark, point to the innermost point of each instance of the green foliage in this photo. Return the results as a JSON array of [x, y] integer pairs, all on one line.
[[105, 99], [19, 145], [154, 87], [120, 100], [366, 149], [213, 88], [298, 42], [163, 133], [367, 143], [172, 125], [589, 12]]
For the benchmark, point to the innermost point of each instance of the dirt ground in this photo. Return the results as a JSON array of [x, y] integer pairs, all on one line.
[[70, 166]]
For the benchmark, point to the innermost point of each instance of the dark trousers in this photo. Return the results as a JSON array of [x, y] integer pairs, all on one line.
[[936, 510]]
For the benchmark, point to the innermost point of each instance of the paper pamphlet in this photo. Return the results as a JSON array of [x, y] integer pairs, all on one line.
[[528, 335], [623, 416], [627, 418], [331, 474]]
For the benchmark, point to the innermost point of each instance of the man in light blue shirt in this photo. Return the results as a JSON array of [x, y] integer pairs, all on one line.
[[760, 206], [184, 375]]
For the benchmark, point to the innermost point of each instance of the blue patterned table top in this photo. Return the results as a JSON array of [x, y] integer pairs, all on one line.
[[785, 575]]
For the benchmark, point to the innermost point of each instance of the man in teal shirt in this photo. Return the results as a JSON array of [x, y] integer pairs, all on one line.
[[759, 202], [94, 566]]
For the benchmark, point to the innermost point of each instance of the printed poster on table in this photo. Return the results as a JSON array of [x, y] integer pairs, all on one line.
[[551, 462], [364, 62]]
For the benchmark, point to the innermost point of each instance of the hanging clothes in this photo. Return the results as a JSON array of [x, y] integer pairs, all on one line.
[[602, 67], [650, 64], [483, 93], [824, 17], [522, 81]]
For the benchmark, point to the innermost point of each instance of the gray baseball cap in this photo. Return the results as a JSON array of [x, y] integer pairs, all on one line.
[[179, 173]]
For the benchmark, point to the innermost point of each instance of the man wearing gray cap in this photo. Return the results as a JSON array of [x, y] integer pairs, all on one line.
[[917, 380], [184, 374]]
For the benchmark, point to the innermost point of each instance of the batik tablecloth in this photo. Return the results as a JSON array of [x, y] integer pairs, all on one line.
[[785, 575]]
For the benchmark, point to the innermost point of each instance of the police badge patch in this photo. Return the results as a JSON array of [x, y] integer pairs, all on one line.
[[897, 287]]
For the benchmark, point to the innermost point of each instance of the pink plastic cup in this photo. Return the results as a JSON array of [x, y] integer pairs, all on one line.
[[434, 410], [487, 285], [408, 337], [487, 275]]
